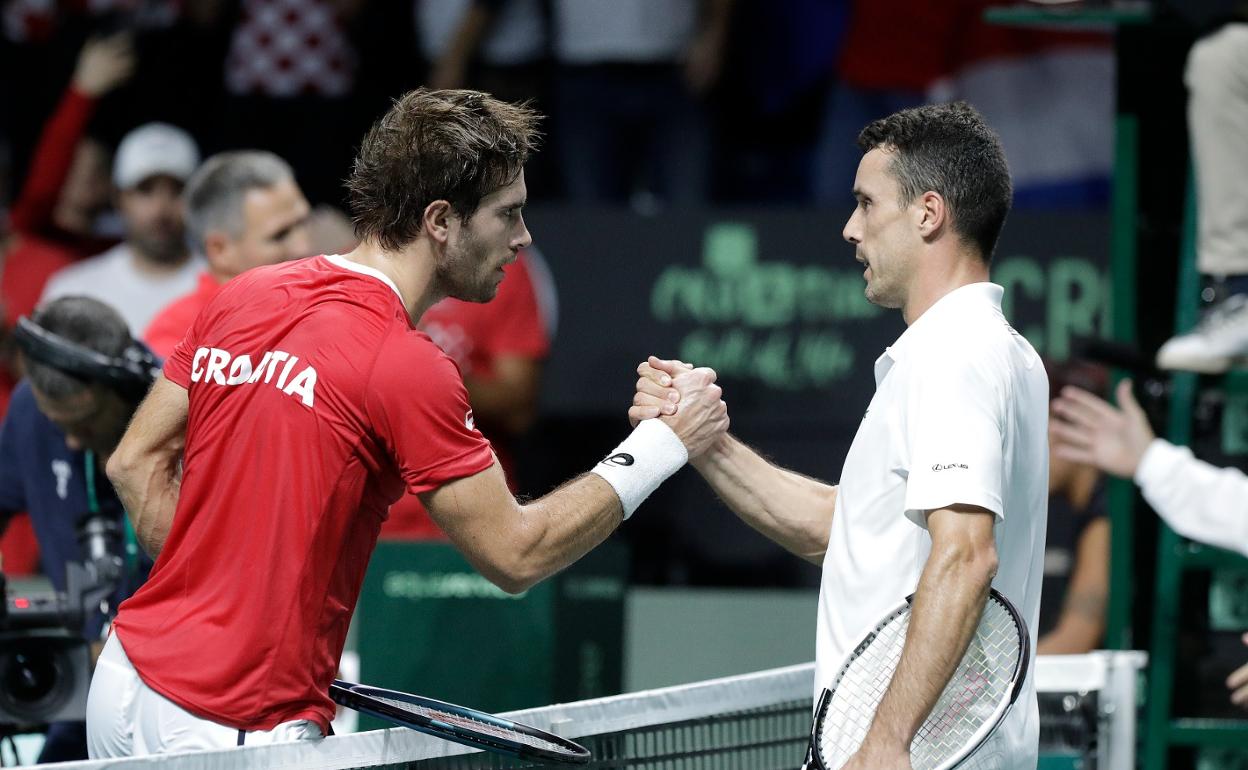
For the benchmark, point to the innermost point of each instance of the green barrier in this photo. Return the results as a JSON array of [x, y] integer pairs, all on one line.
[[429, 624]]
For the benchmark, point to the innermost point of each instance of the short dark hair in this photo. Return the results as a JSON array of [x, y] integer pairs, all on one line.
[[82, 320], [214, 194], [458, 146], [948, 149]]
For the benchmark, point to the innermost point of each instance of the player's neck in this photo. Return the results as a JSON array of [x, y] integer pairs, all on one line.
[[410, 269], [939, 277]]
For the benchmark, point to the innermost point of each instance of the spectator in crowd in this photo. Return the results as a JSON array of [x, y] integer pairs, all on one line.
[[497, 46], [631, 77], [291, 70], [67, 194], [66, 190], [243, 209], [1198, 500], [62, 425], [1217, 111], [152, 266], [1076, 549], [500, 347], [883, 67]]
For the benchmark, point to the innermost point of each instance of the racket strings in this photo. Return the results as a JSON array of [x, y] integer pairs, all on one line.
[[980, 684], [977, 688], [466, 722], [859, 689]]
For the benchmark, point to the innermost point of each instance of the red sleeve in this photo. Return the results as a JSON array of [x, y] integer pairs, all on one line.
[[49, 165], [178, 364], [418, 407], [517, 327], [170, 325]]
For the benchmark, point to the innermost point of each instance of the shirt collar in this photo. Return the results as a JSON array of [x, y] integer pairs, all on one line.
[[340, 261], [983, 294]]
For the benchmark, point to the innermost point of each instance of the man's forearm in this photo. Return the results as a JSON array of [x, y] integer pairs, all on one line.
[[149, 491], [946, 610], [791, 509]]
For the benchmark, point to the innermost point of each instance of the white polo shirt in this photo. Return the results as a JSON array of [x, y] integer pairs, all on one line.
[[960, 415]]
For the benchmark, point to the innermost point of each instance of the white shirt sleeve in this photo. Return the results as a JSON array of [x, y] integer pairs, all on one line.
[[954, 431], [1198, 500]]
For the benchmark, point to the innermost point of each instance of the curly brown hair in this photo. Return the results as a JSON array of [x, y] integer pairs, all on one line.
[[458, 146]]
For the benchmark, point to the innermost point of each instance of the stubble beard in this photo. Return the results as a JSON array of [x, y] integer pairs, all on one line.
[[462, 277]]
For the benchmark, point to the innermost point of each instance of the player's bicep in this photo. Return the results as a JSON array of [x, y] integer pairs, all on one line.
[[476, 512], [963, 529]]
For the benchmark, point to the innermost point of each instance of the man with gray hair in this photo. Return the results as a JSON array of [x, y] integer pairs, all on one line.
[[243, 210]]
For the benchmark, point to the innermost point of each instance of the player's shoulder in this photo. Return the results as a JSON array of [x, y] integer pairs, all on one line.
[[269, 276], [410, 362], [405, 347]]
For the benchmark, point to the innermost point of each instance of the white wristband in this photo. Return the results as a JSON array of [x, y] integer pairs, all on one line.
[[645, 459]]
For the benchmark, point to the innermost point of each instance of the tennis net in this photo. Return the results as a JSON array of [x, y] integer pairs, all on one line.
[[753, 722], [757, 721]]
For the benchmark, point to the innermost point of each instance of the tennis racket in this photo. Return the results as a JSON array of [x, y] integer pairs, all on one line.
[[461, 725], [979, 694]]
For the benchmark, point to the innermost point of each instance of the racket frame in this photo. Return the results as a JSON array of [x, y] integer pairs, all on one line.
[[364, 699], [985, 731]]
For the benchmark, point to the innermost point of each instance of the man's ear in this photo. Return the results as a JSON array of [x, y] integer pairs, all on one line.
[[216, 244], [932, 213], [437, 221]]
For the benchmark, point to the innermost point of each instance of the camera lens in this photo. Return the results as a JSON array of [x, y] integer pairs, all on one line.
[[30, 677], [33, 679]]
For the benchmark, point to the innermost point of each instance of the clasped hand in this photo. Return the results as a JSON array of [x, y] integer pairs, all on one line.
[[683, 396]]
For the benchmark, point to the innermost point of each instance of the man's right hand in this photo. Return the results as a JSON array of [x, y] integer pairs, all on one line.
[[702, 417], [655, 396], [1093, 432]]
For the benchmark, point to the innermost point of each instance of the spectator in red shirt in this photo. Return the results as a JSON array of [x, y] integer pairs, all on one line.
[[67, 190], [307, 403], [243, 210]]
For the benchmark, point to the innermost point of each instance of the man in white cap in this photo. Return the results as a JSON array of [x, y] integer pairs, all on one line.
[[152, 266]]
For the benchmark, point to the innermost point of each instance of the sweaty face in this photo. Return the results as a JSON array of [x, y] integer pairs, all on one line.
[[93, 418], [275, 229], [153, 216], [881, 233], [478, 247]]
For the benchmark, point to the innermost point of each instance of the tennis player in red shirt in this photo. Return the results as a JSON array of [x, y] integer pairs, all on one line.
[[302, 403]]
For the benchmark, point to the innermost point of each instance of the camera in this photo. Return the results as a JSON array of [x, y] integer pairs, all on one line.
[[45, 661]]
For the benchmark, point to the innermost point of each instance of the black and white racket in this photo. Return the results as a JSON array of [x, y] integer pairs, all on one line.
[[979, 694], [459, 724]]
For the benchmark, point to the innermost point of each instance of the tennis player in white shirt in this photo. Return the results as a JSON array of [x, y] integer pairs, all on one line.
[[944, 492]]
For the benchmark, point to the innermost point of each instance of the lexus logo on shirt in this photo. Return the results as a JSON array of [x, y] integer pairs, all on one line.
[[938, 467]]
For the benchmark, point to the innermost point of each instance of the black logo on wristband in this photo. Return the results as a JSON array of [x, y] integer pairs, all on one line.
[[623, 459]]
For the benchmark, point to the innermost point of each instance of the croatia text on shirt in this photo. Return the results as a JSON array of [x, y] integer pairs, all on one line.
[[219, 366]]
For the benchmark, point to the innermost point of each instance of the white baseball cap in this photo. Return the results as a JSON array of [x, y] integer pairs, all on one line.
[[151, 149]]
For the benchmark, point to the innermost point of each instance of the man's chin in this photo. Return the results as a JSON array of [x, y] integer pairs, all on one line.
[[478, 294]]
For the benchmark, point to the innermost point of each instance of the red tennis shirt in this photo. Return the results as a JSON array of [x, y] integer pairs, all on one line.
[[314, 404]]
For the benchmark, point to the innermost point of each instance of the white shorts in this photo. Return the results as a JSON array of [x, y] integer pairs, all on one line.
[[126, 718]]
